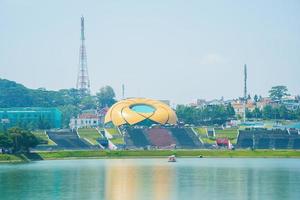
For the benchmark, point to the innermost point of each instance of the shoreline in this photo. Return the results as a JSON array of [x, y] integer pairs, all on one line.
[[141, 154]]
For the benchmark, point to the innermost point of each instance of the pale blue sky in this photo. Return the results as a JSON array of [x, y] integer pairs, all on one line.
[[176, 50]]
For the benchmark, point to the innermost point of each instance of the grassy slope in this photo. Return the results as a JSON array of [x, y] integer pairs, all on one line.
[[90, 134], [201, 131], [113, 131], [229, 133], [116, 141], [117, 138], [42, 134], [203, 134]]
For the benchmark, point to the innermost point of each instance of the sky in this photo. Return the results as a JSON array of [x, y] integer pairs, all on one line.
[[171, 49]]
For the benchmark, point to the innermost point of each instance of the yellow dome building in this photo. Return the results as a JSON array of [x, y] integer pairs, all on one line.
[[140, 111]]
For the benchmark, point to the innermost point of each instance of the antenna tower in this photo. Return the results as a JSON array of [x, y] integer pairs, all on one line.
[[245, 91], [83, 81]]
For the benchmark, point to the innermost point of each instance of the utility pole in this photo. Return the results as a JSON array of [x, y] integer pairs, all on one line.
[[123, 91]]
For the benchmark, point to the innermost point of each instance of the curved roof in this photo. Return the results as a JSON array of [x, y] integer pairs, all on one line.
[[136, 110]]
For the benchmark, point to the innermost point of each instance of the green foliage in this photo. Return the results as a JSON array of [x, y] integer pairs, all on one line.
[[277, 92], [91, 134], [42, 137], [69, 101], [18, 140], [88, 103], [11, 158], [208, 140], [230, 133], [5, 141], [13, 94], [214, 114], [68, 111], [280, 112], [106, 96], [256, 113], [118, 140], [112, 131], [201, 131]]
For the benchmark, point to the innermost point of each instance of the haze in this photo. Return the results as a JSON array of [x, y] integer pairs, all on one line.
[[176, 50]]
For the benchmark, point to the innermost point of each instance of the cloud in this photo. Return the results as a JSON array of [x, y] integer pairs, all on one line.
[[212, 59]]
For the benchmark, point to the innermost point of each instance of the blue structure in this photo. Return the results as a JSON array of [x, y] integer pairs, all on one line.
[[30, 117]]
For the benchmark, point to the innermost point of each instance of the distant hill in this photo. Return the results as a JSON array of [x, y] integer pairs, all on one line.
[[13, 94]]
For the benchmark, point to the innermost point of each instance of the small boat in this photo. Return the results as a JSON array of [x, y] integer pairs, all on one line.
[[172, 158]]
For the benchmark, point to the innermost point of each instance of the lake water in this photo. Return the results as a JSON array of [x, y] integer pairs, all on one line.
[[153, 179]]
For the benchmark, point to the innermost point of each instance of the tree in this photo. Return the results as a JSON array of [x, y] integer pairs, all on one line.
[[256, 113], [277, 92], [212, 114], [68, 111], [248, 113], [5, 141], [106, 96], [283, 112], [88, 102], [267, 112], [23, 140], [230, 110], [186, 114]]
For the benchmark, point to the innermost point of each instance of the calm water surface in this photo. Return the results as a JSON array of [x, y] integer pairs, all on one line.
[[155, 179]]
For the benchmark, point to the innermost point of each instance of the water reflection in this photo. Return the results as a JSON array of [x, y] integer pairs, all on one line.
[[121, 181], [128, 181], [138, 179]]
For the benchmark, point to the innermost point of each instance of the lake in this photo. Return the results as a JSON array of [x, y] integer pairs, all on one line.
[[153, 179]]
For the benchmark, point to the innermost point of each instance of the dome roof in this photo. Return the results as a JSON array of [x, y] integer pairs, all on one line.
[[138, 110]]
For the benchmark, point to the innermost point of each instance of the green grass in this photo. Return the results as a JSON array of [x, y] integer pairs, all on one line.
[[41, 134], [91, 134], [229, 133], [112, 131], [233, 141], [54, 155], [165, 153], [209, 140], [10, 158], [118, 140], [201, 131]]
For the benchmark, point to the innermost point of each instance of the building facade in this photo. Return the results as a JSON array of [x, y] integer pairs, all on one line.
[[85, 120], [30, 117]]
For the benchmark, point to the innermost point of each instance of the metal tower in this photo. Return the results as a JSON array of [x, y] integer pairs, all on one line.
[[245, 91], [83, 81]]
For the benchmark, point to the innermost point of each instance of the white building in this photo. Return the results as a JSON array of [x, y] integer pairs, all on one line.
[[85, 120]]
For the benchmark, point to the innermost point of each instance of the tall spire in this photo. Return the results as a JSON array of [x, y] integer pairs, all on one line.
[[245, 81], [82, 28], [83, 81], [245, 91]]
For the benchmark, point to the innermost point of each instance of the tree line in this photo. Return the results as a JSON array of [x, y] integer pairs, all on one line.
[[208, 115], [17, 140], [69, 101]]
